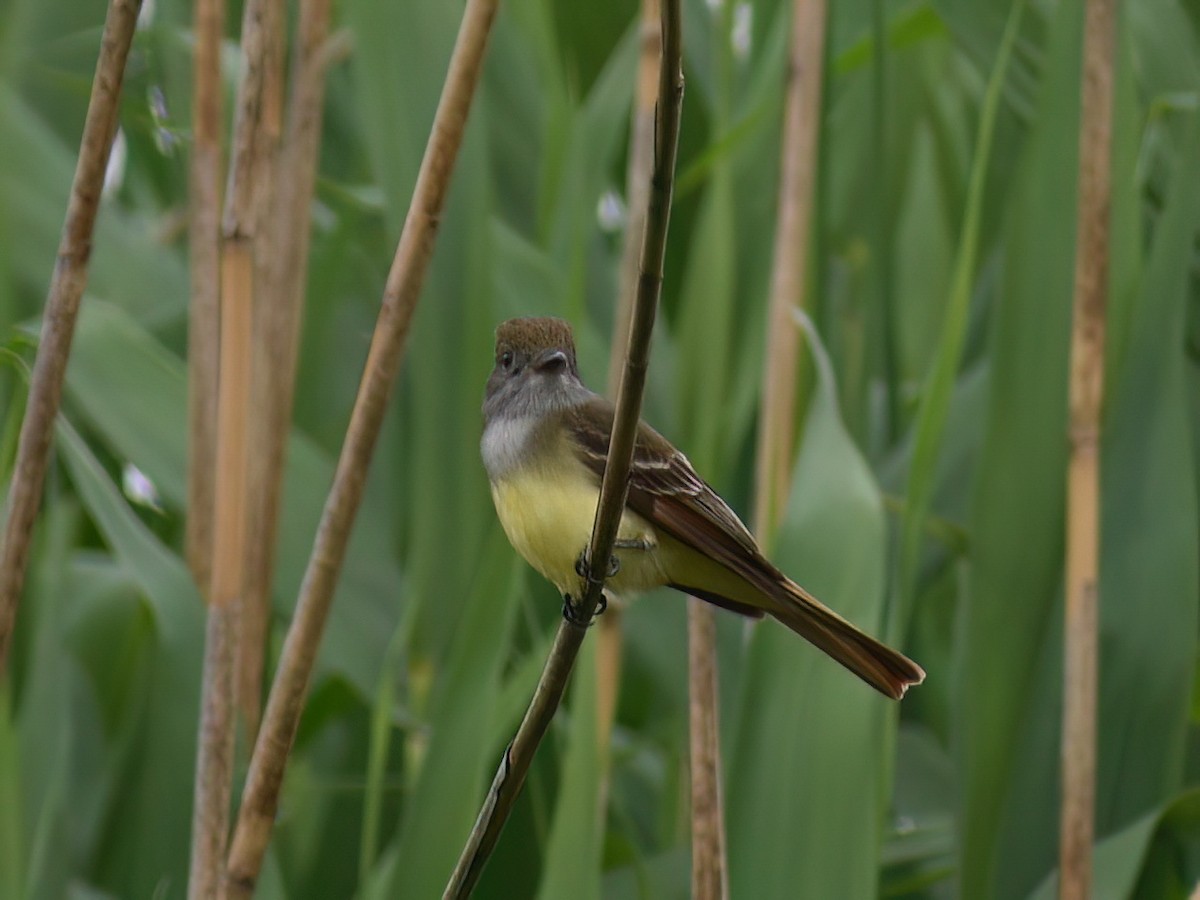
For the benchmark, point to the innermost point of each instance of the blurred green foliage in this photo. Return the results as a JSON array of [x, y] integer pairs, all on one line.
[[438, 631]]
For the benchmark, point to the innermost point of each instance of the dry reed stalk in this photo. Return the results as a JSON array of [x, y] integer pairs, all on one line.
[[1086, 400], [204, 251], [62, 309], [710, 872], [277, 337], [286, 701], [637, 184], [518, 756], [797, 197], [214, 759]]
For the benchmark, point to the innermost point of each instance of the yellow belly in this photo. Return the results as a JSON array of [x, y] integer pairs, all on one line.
[[548, 519]]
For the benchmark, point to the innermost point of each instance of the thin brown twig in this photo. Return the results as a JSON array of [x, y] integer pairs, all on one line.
[[518, 756], [1086, 399], [204, 250], [285, 703], [214, 758], [62, 308], [797, 194]]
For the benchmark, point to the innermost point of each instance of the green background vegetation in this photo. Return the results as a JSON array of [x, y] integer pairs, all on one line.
[[438, 631]]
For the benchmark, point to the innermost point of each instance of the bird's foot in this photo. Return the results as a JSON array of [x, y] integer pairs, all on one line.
[[574, 615], [583, 566], [571, 611]]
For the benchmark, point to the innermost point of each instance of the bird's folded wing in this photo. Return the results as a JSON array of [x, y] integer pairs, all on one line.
[[665, 489]]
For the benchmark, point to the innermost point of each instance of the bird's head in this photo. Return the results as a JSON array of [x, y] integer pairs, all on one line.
[[535, 366]]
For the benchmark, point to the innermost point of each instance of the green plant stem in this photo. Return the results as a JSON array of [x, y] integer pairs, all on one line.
[[881, 247], [935, 400], [518, 756]]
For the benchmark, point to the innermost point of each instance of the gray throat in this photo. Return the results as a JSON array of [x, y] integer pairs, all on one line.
[[514, 416], [506, 444]]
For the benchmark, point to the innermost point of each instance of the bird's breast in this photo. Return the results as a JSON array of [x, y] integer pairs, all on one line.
[[548, 512]]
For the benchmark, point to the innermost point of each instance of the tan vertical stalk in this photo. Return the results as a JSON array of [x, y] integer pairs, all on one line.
[[710, 872], [286, 701], [277, 337], [214, 761], [637, 183], [1086, 396], [62, 308], [204, 248], [797, 194]]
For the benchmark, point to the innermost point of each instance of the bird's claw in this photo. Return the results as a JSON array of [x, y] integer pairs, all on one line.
[[574, 615], [583, 566], [571, 610]]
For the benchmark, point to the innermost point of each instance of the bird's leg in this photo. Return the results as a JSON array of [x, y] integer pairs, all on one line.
[[632, 544]]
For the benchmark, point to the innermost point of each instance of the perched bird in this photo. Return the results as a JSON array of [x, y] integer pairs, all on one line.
[[545, 441]]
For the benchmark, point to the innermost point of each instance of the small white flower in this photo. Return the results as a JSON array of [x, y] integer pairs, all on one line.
[[138, 488], [114, 174], [158, 103], [610, 211], [164, 137], [905, 825], [741, 35], [146, 15]]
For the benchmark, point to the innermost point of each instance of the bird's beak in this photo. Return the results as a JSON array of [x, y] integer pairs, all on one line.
[[552, 361]]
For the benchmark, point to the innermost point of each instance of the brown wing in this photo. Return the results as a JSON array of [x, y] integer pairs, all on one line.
[[665, 489]]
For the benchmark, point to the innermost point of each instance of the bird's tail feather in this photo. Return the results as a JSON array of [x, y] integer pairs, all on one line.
[[885, 669]]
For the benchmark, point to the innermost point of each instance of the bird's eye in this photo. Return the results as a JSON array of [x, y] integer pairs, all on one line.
[[506, 359]]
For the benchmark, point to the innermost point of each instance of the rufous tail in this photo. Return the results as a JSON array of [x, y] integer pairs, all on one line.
[[886, 670]]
